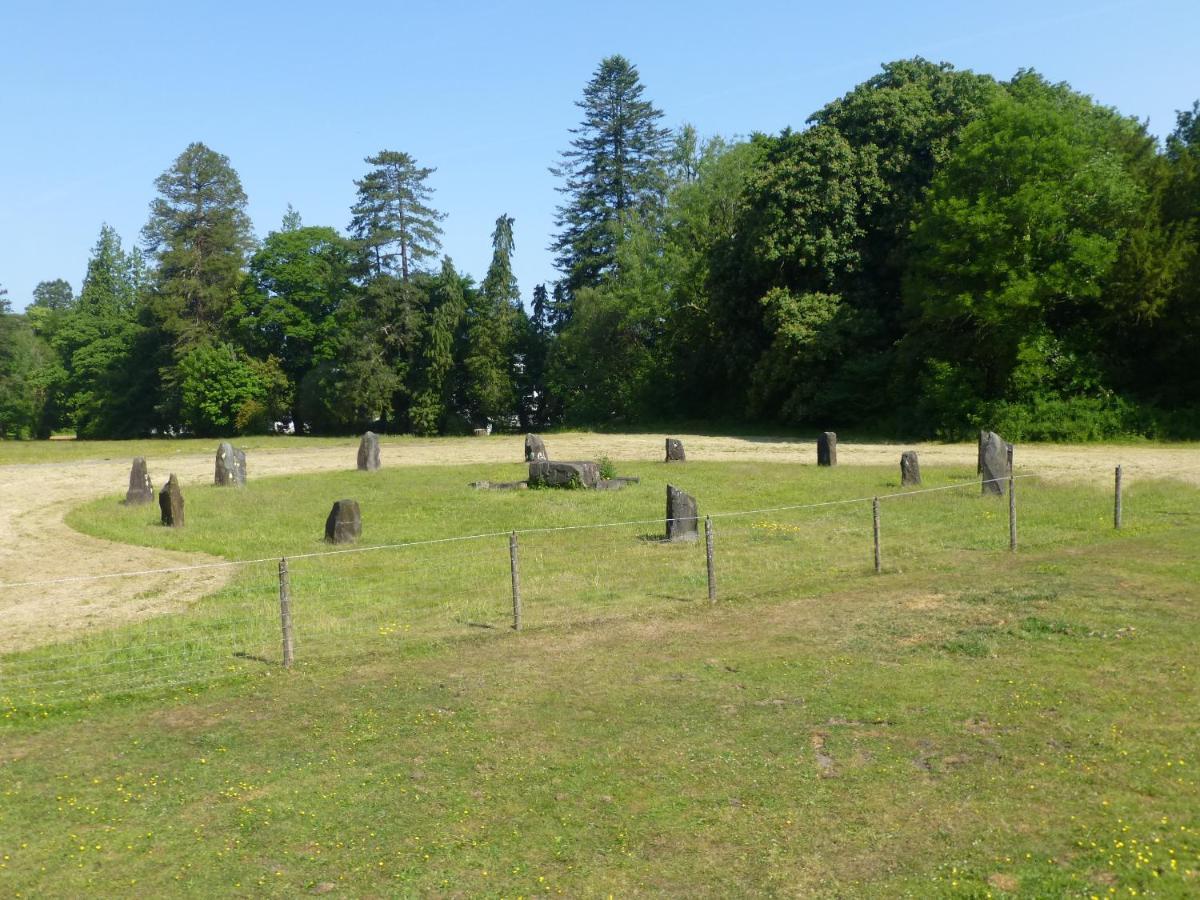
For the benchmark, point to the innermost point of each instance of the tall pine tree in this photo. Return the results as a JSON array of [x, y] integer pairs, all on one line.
[[96, 340], [199, 235], [431, 398], [492, 332], [392, 220], [613, 169]]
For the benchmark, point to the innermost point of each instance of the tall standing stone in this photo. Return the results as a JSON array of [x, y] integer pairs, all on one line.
[[910, 469], [535, 448], [141, 490], [344, 524], [994, 468], [827, 449], [683, 517], [230, 467], [368, 452], [170, 503], [675, 451]]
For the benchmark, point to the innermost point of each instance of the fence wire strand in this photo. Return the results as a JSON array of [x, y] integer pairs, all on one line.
[[440, 587]]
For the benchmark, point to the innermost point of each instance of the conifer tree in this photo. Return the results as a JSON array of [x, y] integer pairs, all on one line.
[[430, 401], [392, 221], [96, 338], [492, 334], [199, 235], [614, 169]]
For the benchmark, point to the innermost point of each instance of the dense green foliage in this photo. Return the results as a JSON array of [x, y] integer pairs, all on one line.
[[938, 251]]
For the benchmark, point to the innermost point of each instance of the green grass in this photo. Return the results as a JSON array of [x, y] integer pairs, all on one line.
[[970, 722]]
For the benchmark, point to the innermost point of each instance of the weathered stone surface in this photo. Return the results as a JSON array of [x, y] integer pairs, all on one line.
[[344, 524], [910, 469], [480, 432], [611, 484], [551, 473], [827, 449], [500, 485], [368, 452], [230, 467], [993, 463], [683, 516], [675, 450], [170, 503], [535, 448], [141, 490]]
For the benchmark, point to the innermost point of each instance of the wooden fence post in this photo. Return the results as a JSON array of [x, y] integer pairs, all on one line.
[[1117, 511], [285, 612], [875, 522], [516, 580], [1012, 513], [708, 551]]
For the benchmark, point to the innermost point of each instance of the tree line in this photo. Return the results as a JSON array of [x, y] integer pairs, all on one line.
[[937, 251]]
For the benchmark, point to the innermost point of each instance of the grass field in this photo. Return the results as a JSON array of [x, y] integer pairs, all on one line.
[[968, 723]]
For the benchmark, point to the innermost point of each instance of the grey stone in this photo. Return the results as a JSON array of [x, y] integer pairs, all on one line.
[[611, 484], [994, 463], [675, 451], [535, 448], [368, 452], [500, 485], [683, 517], [910, 469], [344, 524], [548, 473], [141, 490], [231, 466], [480, 432], [170, 503], [827, 449]]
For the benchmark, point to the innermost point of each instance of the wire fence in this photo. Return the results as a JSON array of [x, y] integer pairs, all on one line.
[[360, 600]]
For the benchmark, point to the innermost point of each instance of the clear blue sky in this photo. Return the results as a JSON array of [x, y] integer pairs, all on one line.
[[97, 99]]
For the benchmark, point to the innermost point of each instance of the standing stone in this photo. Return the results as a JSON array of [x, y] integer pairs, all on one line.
[[827, 449], [344, 525], [368, 452], [675, 451], [993, 463], [535, 448], [231, 466], [141, 490], [170, 503], [683, 517], [910, 469]]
